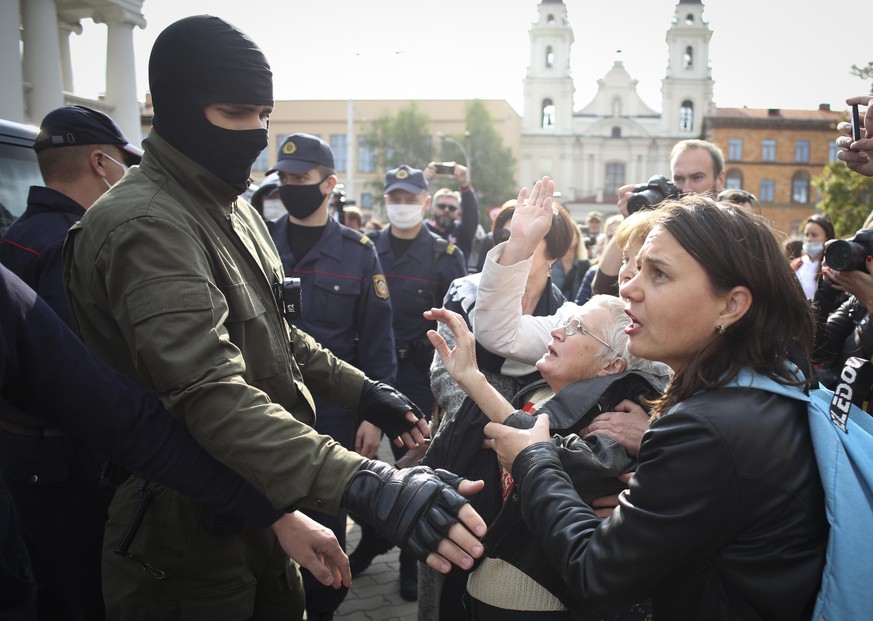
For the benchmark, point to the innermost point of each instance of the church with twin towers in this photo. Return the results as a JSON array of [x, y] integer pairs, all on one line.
[[616, 138]]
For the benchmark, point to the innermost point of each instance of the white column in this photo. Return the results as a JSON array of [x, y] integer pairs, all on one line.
[[64, 31], [121, 69], [12, 92], [41, 62]]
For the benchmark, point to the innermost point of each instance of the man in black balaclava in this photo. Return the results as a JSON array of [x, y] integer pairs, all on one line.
[[175, 282]]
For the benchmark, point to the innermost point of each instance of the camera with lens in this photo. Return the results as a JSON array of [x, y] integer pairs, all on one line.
[[647, 195], [445, 168], [288, 298], [844, 255]]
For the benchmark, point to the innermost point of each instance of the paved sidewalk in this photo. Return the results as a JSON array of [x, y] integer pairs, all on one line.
[[375, 594]]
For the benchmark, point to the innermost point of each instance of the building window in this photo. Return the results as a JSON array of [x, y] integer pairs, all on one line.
[[366, 201], [550, 19], [768, 150], [548, 114], [686, 117], [614, 178], [688, 58], [801, 151], [616, 132], [735, 149], [800, 187], [733, 179], [550, 57], [689, 19], [833, 149], [338, 144], [765, 195], [366, 157]]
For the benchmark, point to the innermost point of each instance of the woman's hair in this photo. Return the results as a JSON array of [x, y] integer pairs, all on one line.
[[738, 248], [558, 238], [824, 222], [613, 333], [635, 228]]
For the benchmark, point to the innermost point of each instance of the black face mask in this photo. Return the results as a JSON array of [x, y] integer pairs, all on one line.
[[301, 201], [229, 153]]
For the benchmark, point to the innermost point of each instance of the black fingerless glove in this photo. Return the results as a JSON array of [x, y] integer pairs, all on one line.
[[386, 408], [413, 508]]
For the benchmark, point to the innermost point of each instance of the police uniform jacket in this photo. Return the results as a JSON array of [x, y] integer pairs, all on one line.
[[31, 247], [418, 280], [345, 304], [170, 279]]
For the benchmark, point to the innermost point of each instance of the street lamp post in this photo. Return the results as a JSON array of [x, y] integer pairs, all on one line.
[[468, 161]]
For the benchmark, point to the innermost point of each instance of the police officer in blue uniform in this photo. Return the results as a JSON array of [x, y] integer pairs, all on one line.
[[54, 478], [345, 306], [81, 153], [419, 266]]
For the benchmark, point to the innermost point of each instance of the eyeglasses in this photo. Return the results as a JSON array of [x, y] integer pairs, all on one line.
[[498, 236], [574, 325], [446, 207]]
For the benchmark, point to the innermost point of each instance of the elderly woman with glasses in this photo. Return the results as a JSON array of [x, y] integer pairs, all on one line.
[[439, 595], [586, 370]]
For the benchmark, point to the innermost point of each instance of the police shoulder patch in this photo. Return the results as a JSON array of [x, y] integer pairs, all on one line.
[[450, 248], [380, 286], [364, 239]]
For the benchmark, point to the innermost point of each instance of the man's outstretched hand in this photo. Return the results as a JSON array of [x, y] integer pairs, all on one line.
[[421, 510]]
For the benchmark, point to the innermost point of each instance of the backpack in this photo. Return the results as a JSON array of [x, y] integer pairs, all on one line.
[[842, 438]]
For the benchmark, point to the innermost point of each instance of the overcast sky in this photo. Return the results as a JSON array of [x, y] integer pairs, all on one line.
[[763, 53]]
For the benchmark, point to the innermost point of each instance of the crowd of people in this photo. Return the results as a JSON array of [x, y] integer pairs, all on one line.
[[194, 389]]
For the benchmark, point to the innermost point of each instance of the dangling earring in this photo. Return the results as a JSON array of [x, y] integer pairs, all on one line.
[[721, 328]]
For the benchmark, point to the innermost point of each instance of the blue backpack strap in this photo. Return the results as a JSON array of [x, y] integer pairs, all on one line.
[[842, 437]]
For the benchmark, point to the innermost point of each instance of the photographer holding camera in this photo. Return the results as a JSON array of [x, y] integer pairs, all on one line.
[[844, 326], [447, 205], [697, 167]]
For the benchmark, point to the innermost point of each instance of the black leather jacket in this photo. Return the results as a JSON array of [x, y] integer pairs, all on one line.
[[844, 329], [724, 518]]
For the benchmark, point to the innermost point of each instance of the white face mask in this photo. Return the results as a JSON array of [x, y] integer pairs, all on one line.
[[274, 209], [404, 216], [123, 169], [813, 250]]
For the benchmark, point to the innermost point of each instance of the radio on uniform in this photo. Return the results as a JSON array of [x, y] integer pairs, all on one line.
[[289, 298]]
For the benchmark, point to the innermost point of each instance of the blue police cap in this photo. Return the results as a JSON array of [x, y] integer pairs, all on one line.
[[77, 125], [405, 178], [302, 152]]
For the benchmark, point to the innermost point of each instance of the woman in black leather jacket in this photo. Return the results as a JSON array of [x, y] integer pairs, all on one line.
[[724, 517]]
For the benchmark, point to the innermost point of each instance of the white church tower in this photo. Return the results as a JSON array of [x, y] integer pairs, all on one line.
[[548, 85], [687, 88]]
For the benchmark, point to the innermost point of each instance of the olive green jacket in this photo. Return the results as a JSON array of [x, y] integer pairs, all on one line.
[[170, 280]]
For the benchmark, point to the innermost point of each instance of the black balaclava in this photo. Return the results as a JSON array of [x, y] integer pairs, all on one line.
[[202, 60]]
